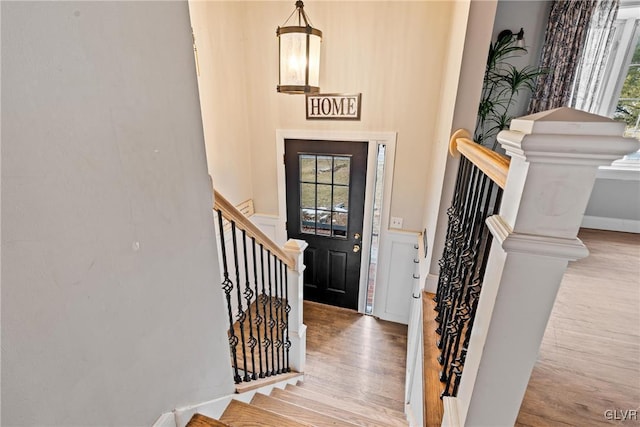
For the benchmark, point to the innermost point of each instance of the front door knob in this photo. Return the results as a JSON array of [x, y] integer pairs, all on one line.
[[356, 248]]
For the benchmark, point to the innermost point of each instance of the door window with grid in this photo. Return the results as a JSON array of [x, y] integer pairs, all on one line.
[[324, 194]]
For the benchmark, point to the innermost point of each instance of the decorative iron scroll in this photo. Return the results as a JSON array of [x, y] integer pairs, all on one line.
[[257, 305], [462, 267]]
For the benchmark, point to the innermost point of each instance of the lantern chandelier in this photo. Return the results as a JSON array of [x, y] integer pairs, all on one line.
[[299, 49]]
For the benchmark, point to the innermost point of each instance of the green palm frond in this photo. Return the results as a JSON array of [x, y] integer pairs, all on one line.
[[502, 84]]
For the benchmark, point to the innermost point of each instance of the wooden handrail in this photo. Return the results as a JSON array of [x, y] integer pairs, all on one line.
[[494, 165], [231, 213]]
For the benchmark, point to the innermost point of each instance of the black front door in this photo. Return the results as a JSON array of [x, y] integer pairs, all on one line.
[[325, 207]]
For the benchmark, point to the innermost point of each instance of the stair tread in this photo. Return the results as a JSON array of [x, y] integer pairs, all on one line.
[[327, 391], [199, 420], [385, 415], [344, 387], [341, 414], [296, 412], [240, 414], [260, 360]]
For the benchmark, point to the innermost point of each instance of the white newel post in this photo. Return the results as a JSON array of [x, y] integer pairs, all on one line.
[[297, 329], [554, 159]]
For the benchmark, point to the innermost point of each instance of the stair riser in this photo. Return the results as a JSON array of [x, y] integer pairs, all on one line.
[[215, 408]]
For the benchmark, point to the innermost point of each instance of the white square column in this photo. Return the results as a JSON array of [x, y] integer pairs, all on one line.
[[295, 281]]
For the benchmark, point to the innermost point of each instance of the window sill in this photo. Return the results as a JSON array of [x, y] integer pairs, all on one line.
[[623, 170]]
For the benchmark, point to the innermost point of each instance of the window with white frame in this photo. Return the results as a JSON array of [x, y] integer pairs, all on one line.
[[619, 95]]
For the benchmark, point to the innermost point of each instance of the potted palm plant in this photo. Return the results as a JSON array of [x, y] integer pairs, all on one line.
[[503, 83]]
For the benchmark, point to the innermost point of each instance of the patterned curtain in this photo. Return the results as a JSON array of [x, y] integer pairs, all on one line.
[[561, 53], [590, 74]]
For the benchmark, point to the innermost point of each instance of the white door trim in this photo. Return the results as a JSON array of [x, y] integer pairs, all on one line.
[[373, 139]]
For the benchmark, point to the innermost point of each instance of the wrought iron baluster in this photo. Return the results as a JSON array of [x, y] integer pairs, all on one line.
[[278, 309], [464, 257], [462, 266], [287, 309], [448, 261], [446, 253], [272, 321], [455, 202], [487, 239], [241, 316], [475, 276], [461, 316], [265, 299], [248, 296], [227, 286], [450, 295], [259, 319], [283, 323], [450, 302], [268, 322]]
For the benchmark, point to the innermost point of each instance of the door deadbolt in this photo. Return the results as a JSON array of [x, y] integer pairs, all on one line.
[[357, 236], [356, 248]]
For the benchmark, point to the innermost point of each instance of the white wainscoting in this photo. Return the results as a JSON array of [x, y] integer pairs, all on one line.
[[614, 203], [395, 281], [414, 390], [272, 226], [414, 395], [611, 224]]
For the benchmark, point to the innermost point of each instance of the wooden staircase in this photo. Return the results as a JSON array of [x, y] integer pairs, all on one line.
[[302, 405]]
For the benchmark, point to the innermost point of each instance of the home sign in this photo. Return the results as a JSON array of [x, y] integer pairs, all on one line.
[[333, 106]]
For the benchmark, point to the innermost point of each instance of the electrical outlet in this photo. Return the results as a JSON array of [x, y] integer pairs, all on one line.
[[396, 222]]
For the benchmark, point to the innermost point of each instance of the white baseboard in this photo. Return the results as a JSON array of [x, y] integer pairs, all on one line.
[[411, 418], [392, 317], [451, 417], [431, 284], [166, 420], [611, 224], [272, 226], [215, 408]]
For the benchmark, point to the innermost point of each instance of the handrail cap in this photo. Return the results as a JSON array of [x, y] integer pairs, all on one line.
[[453, 142]]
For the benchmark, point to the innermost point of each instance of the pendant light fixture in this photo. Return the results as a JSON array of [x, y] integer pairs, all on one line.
[[299, 48]]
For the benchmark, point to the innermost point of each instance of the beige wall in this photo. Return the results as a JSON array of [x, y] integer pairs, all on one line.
[[467, 97], [439, 154], [391, 52], [222, 82]]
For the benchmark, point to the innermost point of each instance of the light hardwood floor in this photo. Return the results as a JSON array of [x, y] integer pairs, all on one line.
[[355, 355], [589, 361]]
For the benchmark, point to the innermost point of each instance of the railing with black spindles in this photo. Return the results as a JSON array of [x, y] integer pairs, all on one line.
[[478, 192], [256, 278]]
